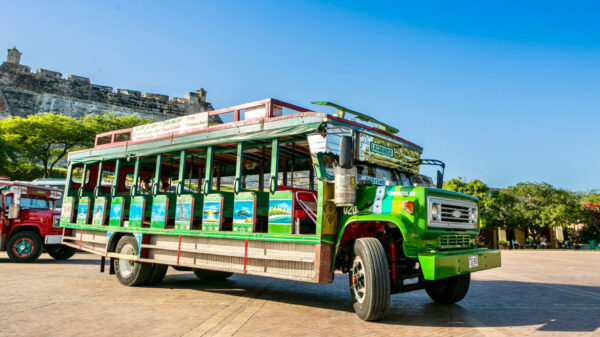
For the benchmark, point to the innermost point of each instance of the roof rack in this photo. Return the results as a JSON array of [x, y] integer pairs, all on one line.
[[342, 111]]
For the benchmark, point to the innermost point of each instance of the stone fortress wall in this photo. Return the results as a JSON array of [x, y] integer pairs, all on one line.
[[23, 93]]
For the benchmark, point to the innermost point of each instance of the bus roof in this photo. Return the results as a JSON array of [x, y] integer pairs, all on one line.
[[264, 119], [30, 189]]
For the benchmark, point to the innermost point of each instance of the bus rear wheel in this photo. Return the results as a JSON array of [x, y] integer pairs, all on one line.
[[24, 247], [369, 279], [448, 290], [60, 252], [211, 275], [157, 274], [130, 272]]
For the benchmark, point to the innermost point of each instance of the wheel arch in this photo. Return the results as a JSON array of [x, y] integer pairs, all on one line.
[[25, 228], [357, 227], [111, 245]]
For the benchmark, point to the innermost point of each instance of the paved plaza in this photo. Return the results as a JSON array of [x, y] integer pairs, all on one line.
[[535, 293]]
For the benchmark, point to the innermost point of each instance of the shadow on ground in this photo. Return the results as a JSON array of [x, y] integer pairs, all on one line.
[[554, 307]]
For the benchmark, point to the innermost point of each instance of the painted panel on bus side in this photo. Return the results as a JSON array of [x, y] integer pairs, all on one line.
[[244, 212], [212, 212], [280, 212], [116, 212], [99, 211], [82, 210], [66, 211], [183, 211], [160, 205], [136, 211]]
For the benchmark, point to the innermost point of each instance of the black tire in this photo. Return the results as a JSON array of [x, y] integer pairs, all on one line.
[[25, 247], [157, 274], [178, 268], [130, 272], [60, 252], [369, 279], [448, 290], [211, 275]]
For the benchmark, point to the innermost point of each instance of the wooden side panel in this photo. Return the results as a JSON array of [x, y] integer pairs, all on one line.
[[90, 241]]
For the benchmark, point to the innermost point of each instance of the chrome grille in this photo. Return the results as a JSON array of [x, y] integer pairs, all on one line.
[[448, 241], [451, 213], [455, 213]]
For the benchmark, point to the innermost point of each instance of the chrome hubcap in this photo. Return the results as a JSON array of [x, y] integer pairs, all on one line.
[[126, 266], [358, 279]]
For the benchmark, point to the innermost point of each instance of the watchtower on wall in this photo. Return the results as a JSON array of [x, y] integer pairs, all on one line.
[[14, 56]]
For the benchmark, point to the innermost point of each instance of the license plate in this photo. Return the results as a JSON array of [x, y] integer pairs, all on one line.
[[473, 261]]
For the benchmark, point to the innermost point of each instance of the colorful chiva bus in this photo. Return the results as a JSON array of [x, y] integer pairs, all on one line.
[[272, 189]]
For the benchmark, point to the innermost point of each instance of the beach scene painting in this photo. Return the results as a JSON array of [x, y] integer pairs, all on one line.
[[280, 212], [243, 215], [82, 210], [211, 212]]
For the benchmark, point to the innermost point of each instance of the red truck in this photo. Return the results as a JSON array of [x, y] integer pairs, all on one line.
[[29, 222]]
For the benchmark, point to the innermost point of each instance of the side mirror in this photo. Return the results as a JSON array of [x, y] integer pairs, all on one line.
[[440, 179], [14, 211], [346, 152]]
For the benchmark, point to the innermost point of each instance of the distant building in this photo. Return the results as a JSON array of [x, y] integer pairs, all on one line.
[[23, 93]]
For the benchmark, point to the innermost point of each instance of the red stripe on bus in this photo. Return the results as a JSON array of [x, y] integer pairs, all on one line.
[[393, 256], [178, 249], [245, 254]]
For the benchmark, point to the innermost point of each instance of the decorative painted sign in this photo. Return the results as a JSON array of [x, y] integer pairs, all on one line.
[[66, 213], [160, 205], [244, 212], [280, 212], [99, 215], [184, 211], [82, 210], [388, 152], [212, 212], [175, 126], [136, 211], [116, 212]]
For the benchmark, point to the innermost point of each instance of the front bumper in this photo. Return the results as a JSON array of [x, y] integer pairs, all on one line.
[[52, 239], [440, 265]]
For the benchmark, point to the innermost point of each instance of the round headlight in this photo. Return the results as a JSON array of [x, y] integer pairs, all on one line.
[[435, 211], [473, 215]]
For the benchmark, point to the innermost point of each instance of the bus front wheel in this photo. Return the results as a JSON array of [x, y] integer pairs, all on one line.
[[369, 279], [130, 272], [448, 290]]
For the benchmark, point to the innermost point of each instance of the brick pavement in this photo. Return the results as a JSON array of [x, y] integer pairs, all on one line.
[[545, 293]]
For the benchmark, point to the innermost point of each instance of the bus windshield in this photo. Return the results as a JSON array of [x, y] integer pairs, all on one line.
[[31, 203]]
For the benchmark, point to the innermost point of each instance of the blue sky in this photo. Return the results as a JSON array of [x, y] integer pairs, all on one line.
[[501, 91]]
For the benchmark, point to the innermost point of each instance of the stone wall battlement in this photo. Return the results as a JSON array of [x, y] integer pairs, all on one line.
[[23, 92]]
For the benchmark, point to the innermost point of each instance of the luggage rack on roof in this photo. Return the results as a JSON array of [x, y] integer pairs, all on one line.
[[267, 108]]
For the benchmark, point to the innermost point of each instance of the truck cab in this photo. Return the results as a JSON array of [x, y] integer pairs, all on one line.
[[29, 222]]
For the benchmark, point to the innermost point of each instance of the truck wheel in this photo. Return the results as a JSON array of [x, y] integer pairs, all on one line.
[[369, 279], [448, 290], [60, 252], [24, 247], [211, 275], [157, 274], [130, 272]]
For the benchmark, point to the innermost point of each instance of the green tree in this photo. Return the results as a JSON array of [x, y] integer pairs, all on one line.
[[47, 138], [533, 207], [44, 138], [7, 153]]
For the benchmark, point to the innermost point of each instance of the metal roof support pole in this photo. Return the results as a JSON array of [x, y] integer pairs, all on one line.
[[136, 177], [274, 165], [181, 176], [83, 176], [113, 190], [237, 184], [208, 174], [156, 186], [98, 180]]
